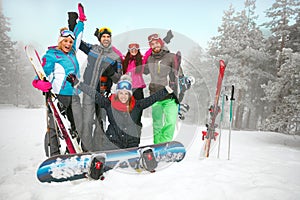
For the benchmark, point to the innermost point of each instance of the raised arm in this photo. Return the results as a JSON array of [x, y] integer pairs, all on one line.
[[159, 95]]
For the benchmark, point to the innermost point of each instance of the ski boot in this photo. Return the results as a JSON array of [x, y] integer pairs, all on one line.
[[147, 160], [97, 167]]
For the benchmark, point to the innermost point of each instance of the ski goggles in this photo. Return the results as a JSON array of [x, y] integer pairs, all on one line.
[[105, 30], [67, 33], [124, 85], [133, 46], [152, 37]]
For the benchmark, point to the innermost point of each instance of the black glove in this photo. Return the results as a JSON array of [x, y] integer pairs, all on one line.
[[168, 37], [72, 79], [110, 70], [72, 20]]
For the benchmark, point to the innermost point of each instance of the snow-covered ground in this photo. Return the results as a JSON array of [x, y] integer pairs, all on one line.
[[263, 165]]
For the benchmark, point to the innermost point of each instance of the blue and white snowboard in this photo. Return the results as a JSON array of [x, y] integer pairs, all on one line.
[[76, 166]]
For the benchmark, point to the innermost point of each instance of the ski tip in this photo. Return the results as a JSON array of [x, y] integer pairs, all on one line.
[[222, 63]]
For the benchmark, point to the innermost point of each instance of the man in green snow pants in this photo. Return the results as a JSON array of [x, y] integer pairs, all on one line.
[[164, 70]]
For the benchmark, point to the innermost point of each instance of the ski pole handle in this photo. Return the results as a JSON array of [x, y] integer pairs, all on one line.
[[232, 93]]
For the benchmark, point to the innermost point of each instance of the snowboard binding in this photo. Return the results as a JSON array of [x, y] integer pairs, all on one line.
[[148, 160], [97, 167], [186, 82], [183, 108]]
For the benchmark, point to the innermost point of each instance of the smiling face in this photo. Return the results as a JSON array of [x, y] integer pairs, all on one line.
[[155, 46], [105, 40], [133, 51], [66, 45], [123, 96]]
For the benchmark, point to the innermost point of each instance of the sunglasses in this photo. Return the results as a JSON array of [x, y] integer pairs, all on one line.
[[133, 46], [104, 29], [67, 33], [152, 37], [124, 85]]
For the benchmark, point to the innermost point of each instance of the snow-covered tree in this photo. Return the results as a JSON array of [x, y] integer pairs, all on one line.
[[281, 14], [16, 73], [7, 63], [284, 92], [241, 42], [293, 40]]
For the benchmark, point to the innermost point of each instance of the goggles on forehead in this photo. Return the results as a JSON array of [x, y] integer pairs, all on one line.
[[124, 85], [67, 33], [133, 46], [152, 37], [105, 29]]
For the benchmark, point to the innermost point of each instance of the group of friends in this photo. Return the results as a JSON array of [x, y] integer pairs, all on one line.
[[107, 66]]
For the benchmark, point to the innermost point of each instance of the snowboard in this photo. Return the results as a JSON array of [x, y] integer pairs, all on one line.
[[72, 167], [61, 120], [184, 83]]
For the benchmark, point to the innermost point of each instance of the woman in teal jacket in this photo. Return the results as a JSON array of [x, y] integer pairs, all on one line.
[[58, 62]]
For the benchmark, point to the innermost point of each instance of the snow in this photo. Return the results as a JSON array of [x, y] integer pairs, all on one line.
[[262, 165]]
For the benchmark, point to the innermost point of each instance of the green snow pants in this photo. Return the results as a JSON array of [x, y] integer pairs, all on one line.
[[164, 116]]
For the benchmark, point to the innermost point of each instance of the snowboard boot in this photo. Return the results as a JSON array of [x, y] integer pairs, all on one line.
[[97, 167], [147, 160]]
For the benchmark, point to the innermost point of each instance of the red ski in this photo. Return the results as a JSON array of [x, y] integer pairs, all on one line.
[[52, 101], [210, 135]]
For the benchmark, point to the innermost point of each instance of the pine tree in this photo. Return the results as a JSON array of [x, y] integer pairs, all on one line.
[[293, 40], [16, 72], [7, 63], [284, 92], [281, 13], [241, 42]]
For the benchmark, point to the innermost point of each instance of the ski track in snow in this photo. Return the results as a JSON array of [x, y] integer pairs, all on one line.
[[263, 165]]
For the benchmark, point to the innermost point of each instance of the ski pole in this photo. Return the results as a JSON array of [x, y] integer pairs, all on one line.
[[48, 124], [230, 118], [221, 119]]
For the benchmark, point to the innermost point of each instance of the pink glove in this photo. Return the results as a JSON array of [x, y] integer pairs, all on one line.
[[44, 86], [82, 16]]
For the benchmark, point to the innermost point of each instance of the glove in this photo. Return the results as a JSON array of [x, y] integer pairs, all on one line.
[[72, 18], [168, 37], [82, 16], [170, 91], [110, 70], [72, 79], [44, 86]]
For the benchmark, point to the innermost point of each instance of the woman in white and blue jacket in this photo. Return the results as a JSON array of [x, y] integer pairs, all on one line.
[[58, 62]]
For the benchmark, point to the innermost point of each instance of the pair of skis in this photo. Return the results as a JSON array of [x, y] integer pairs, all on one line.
[[209, 136], [51, 100]]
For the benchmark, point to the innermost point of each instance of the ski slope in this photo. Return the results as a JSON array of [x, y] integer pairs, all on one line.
[[263, 165]]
